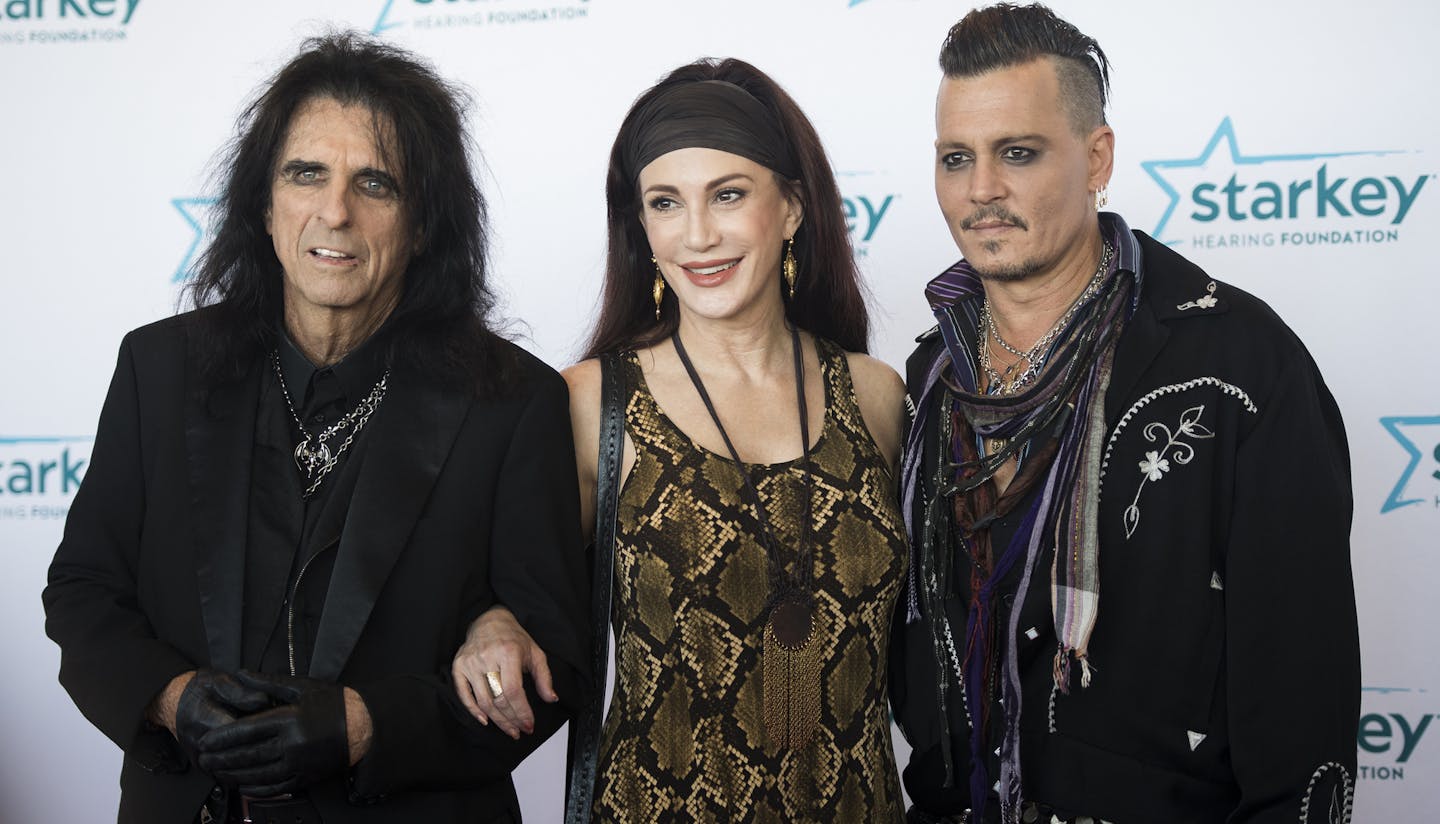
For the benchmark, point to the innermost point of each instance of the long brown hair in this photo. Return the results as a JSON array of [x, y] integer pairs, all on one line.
[[828, 299]]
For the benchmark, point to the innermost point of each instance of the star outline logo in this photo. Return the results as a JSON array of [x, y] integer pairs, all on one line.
[[381, 24], [192, 209], [1392, 425], [1225, 133]]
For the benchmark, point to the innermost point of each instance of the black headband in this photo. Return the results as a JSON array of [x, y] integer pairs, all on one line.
[[707, 114]]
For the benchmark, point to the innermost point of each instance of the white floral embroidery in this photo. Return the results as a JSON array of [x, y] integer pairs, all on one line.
[[1206, 302], [1154, 467], [1174, 388], [1189, 427], [1342, 795]]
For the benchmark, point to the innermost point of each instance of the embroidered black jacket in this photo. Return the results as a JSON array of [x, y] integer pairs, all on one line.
[[1226, 651]]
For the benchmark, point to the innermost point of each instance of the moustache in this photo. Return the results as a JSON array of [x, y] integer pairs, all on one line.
[[994, 213]]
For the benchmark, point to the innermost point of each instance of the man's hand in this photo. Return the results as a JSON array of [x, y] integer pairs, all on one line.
[[199, 701], [496, 643], [304, 740]]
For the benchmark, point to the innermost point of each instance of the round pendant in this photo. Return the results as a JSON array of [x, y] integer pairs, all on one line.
[[310, 459], [792, 622]]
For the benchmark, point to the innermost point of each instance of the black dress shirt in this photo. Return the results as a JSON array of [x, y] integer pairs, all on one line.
[[293, 539]]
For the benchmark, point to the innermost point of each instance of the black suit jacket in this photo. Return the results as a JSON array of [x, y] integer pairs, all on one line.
[[458, 503]]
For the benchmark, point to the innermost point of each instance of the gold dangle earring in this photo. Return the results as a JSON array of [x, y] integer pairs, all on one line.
[[658, 290], [789, 267], [1102, 197]]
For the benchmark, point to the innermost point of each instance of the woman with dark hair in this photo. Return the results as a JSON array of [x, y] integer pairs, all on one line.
[[758, 547]]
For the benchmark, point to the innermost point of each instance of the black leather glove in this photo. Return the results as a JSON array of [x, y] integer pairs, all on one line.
[[291, 746], [211, 700]]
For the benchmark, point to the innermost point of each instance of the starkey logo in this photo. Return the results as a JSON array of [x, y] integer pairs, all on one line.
[[1223, 199], [24, 22], [198, 214], [865, 204], [450, 14], [1388, 739], [1419, 482], [39, 475]]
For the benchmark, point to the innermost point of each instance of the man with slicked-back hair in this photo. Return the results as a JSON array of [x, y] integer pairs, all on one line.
[[1127, 489]]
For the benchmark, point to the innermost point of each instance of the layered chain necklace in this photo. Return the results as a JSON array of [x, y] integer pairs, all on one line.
[[791, 656], [313, 455], [1034, 358]]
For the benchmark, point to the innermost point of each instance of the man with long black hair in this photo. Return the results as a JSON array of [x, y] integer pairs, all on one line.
[[1128, 493], [304, 490]]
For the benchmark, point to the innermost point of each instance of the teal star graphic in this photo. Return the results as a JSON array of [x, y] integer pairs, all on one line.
[[1225, 132], [193, 210], [381, 25], [1392, 425]]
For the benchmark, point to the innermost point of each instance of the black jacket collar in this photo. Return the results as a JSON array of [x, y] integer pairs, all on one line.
[[410, 437]]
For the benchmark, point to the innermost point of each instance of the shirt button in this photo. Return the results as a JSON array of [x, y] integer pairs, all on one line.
[[318, 417]]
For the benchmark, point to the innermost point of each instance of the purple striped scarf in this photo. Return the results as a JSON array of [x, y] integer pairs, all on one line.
[[1063, 515]]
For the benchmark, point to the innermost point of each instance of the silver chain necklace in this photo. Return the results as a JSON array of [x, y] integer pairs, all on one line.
[[313, 456], [1034, 357]]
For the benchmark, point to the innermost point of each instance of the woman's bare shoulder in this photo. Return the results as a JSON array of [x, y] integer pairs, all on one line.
[[880, 393], [876, 378]]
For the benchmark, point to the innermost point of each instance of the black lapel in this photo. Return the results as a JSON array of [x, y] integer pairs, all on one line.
[[220, 437], [1140, 341], [411, 439], [1173, 290]]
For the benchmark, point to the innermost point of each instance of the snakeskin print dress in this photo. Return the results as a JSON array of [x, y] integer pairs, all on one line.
[[685, 737]]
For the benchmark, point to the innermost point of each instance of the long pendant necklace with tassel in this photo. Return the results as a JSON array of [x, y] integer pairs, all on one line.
[[790, 654]]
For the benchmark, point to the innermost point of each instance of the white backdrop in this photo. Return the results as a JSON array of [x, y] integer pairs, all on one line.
[[1288, 147]]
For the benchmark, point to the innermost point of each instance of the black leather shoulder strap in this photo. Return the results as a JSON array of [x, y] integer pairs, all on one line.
[[585, 728]]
